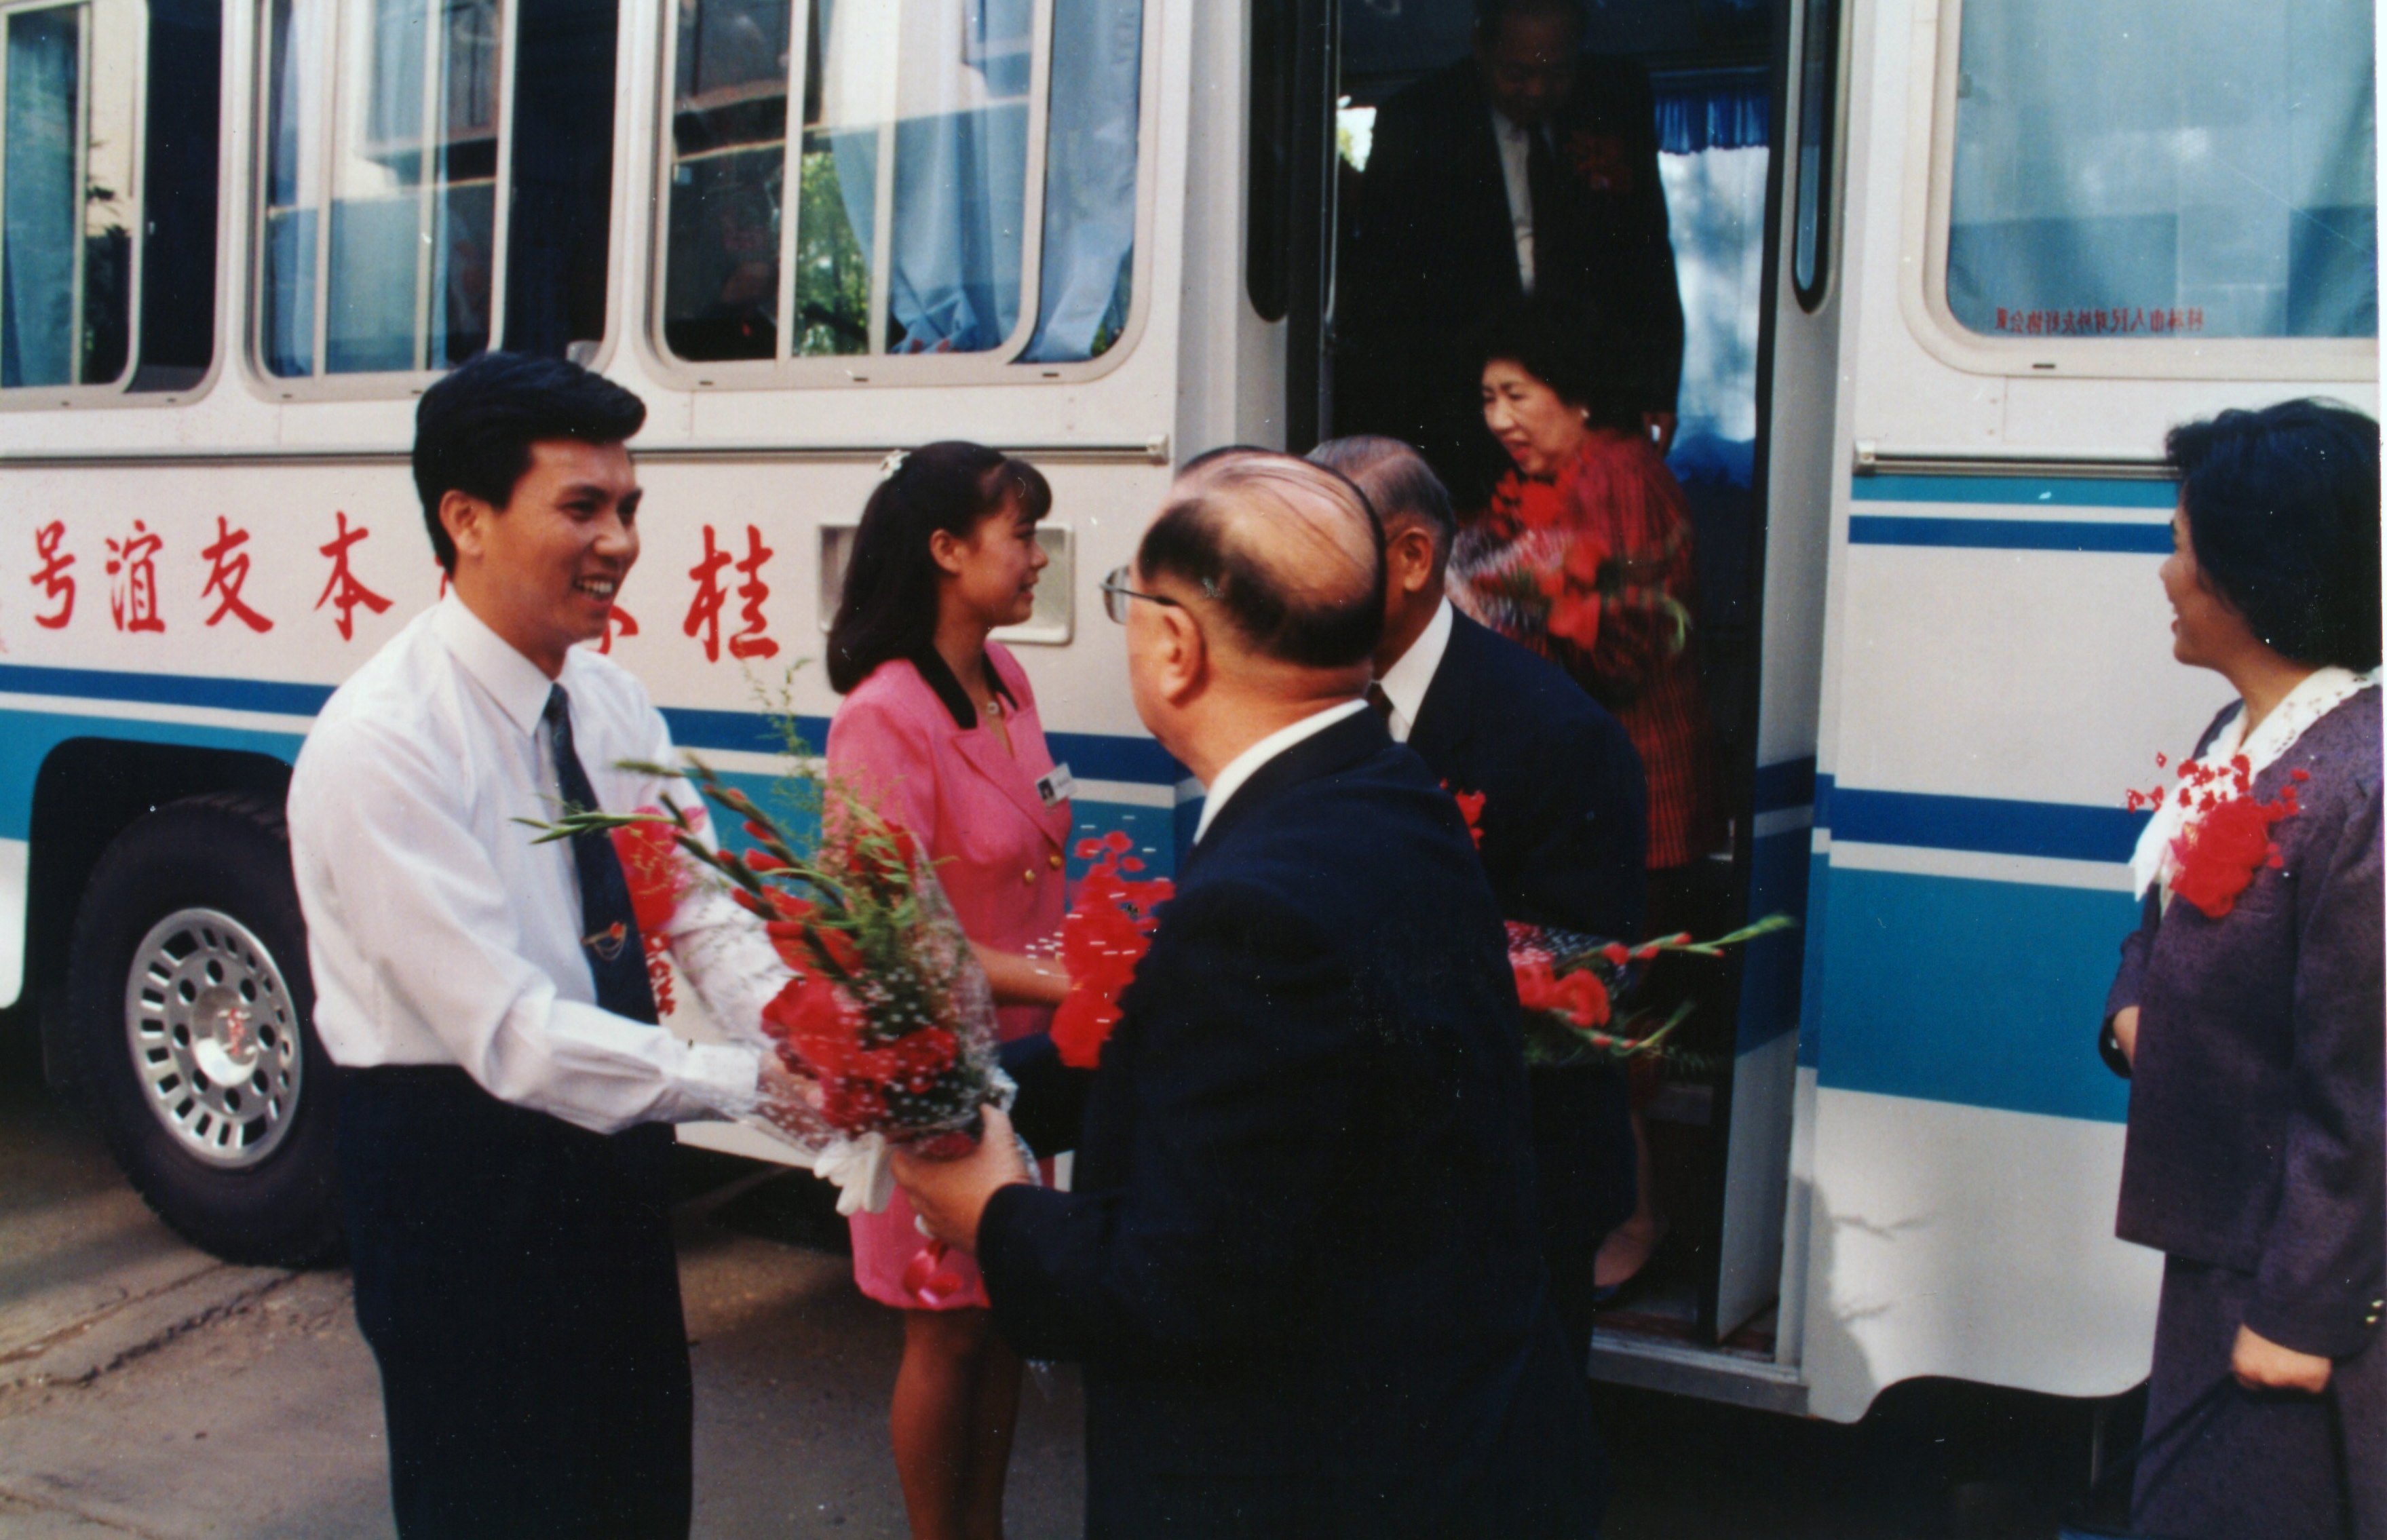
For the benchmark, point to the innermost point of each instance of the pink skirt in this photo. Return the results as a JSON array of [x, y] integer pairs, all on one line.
[[884, 1244]]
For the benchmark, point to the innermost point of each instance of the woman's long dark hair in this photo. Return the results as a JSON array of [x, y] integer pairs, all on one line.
[[889, 608]]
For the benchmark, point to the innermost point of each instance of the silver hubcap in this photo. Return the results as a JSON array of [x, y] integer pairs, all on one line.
[[213, 1036]]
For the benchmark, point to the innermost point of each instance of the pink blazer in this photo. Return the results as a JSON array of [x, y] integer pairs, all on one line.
[[999, 851]]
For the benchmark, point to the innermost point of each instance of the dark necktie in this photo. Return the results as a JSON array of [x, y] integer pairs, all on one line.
[[1381, 701], [609, 929], [1542, 189]]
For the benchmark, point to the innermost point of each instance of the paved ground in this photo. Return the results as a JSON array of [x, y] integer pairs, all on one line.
[[147, 1390]]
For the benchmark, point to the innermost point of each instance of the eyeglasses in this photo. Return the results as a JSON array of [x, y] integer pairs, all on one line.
[[1116, 593]]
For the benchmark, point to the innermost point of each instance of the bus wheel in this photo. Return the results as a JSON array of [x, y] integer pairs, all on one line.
[[191, 1002]]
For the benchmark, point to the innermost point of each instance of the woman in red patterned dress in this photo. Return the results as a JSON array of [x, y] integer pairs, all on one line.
[[1586, 555]]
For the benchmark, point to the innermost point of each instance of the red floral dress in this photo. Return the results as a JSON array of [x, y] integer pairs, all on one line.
[[1593, 569]]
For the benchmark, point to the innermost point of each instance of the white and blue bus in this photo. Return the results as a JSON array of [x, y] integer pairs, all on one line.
[[1950, 269]]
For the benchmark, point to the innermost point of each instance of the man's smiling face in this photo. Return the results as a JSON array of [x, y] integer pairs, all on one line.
[[544, 570]]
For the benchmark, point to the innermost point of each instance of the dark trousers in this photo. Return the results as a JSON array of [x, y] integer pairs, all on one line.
[[2275, 1464], [516, 1278]]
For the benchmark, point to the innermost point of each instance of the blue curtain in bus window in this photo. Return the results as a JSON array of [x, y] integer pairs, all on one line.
[[1090, 147], [38, 221], [1698, 112], [2161, 168], [960, 105]]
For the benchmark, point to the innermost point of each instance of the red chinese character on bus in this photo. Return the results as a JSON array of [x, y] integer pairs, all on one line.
[[618, 622], [342, 590], [704, 610], [751, 643], [227, 570], [52, 578], [132, 596]]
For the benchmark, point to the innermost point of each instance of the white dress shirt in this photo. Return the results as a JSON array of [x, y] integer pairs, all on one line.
[[1243, 765], [1411, 675], [439, 934], [1516, 145]]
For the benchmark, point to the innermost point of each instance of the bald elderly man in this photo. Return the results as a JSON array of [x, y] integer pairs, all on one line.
[[1302, 1265]]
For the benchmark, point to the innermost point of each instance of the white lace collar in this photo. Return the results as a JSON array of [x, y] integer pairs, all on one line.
[[2321, 692]]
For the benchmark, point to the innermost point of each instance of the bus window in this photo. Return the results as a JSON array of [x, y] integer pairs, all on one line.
[[2159, 168], [66, 136], [921, 117], [1819, 61], [381, 227]]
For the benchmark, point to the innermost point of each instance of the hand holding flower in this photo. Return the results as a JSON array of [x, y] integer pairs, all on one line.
[[951, 1196]]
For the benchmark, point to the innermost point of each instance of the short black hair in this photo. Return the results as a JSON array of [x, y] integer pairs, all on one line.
[[1491, 15], [474, 428], [1572, 346], [1189, 541], [889, 606], [2282, 509], [1396, 481]]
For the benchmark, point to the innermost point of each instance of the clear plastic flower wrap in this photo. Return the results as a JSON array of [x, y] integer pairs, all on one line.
[[868, 990]]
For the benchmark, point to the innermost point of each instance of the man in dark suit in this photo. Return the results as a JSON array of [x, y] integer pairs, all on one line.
[[1561, 824], [1302, 1263], [1525, 168]]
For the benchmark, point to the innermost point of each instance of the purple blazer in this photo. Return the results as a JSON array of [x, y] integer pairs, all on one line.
[[2257, 1111]]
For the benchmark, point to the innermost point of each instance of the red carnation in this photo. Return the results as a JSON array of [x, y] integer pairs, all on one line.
[[2219, 854]]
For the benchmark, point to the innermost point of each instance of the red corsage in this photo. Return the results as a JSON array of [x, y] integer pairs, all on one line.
[[2228, 835]]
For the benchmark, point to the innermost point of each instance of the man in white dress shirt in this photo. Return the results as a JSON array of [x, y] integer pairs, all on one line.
[[507, 1102]]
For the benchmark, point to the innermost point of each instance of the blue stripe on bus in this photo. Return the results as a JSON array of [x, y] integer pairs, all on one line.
[[30, 735], [1789, 784], [2018, 491], [165, 690], [1994, 825], [1878, 529], [1981, 993], [1769, 980], [1090, 756]]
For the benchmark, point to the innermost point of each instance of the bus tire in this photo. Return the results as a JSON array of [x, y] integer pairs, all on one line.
[[191, 1016]]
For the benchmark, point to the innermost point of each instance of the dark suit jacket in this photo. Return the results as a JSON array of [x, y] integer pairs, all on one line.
[[2254, 1136], [1434, 255], [1301, 1265], [1563, 844]]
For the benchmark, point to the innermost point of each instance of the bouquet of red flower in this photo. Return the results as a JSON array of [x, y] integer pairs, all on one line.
[[1573, 989], [1101, 939], [1529, 570], [884, 1009]]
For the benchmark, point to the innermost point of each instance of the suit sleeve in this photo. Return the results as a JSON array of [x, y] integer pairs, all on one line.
[[2128, 981], [1210, 1251], [2320, 1284], [1585, 866], [1655, 288]]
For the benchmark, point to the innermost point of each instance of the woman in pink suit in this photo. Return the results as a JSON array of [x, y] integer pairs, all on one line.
[[939, 730]]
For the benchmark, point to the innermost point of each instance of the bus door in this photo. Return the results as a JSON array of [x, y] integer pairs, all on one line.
[[1799, 362], [1699, 91]]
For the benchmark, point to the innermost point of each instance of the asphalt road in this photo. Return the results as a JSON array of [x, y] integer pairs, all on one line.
[[147, 1390]]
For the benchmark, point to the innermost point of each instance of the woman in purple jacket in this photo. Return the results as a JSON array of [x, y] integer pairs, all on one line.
[[2249, 1008]]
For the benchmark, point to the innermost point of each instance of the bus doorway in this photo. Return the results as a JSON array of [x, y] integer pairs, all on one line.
[[1669, 130]]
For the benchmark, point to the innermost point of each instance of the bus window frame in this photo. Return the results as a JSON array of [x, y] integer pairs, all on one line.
[[389, 384], [1927, 195], [116, 392], [995, 365], [1831, 173]]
